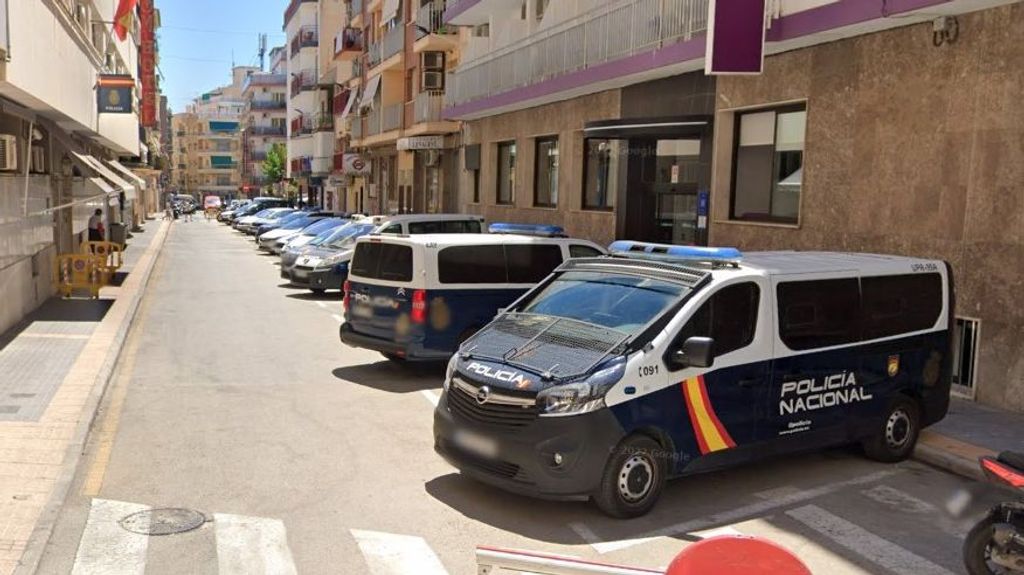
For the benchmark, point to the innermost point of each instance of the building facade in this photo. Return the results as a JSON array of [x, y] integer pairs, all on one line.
[[69, 101], [310, 124], [887, 129], [265, 121], [208, 140]]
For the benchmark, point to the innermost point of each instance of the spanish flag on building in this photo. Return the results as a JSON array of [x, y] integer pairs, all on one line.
[[123, 18]]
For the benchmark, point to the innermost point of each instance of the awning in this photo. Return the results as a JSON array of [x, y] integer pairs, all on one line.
[[390, 10], [371, 92], [117, 181], [132, 176], [111, 192], [348, 105]]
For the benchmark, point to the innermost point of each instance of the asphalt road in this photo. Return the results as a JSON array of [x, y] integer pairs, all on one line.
[[235, 398]]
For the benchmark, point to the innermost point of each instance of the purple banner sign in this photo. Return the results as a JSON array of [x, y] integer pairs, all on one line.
[[735, 37]]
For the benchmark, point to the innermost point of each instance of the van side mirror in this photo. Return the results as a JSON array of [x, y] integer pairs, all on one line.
[[695, 352]]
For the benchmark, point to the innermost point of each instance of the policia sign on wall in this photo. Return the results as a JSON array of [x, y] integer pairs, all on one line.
[[114, 94]]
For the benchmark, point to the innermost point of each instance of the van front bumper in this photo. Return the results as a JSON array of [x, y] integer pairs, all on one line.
[[525, 461], [326, 279]]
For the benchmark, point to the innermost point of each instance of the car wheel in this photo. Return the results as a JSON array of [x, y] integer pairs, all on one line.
[[897, 437], [633, 478]]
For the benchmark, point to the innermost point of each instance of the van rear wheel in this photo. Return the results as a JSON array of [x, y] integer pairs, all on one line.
[[633, 478], [395, 359], [896, 438]]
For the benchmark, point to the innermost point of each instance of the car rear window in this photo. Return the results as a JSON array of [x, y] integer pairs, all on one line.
[[381, 261]]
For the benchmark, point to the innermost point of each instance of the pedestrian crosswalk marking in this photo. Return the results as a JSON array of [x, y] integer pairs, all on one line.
[[898, 500], [431, 396], [108, 549], [727, 517], [252, 546], [870, 546], [389, 554]]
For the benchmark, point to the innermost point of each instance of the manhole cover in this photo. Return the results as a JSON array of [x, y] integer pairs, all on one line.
[[163, 521]]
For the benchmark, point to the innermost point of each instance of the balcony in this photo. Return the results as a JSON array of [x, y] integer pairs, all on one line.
[[430, 24], [302, 166], [319, 122], [258, 156], [293, 9], [308, 37], [475, 12], [266, 130], [355, 128], [391, 119], [428, 107], [268, 105], [620, 29], [355, 9], [372, 124], [373, 55], [348, 44], [394, 41], [264, 80], [303, 80]]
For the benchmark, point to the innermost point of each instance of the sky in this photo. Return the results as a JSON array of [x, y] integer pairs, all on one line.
[[198, 38]]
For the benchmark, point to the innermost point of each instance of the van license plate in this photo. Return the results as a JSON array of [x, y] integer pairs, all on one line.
[[476, 444], [362, 311]]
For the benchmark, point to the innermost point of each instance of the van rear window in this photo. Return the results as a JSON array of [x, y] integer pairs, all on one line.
[[496, 264], [445, 227], [900, 304], [389, 262], [819, 313]]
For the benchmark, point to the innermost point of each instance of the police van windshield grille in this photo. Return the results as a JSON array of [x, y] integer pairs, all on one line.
[[560, 346]]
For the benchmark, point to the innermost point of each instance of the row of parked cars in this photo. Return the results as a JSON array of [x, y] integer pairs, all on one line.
[[576, 371]]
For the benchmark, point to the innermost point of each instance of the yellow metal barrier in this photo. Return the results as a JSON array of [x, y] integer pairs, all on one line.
[[109, 254], [79, 271]]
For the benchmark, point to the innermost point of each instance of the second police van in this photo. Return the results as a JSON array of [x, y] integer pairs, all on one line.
[[618, 373], [418, 297]]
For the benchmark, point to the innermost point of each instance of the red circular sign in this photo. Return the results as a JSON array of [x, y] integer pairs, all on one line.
[[358, 164]]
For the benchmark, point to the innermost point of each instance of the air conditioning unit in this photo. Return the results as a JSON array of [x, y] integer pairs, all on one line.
[[433, 81], [8, 152], [433, 60], [38, 159]]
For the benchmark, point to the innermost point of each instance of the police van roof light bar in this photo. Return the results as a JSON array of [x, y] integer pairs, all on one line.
[[731, 256], [540, 230]]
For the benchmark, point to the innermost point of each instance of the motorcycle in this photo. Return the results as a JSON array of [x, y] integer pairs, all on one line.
[[996, 544]]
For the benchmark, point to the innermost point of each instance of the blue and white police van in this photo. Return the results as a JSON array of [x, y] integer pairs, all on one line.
[[418, 297], [617, 373]]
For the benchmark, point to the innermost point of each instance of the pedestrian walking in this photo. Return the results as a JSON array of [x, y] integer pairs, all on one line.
[[96, 231]]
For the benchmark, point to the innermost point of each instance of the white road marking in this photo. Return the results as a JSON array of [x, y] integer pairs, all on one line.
[[389, 554], [899, 500], [870, 546], [321, 304], [252, 545], [338, 318], [717, 532], [725, 517], [431, 396], [108, 548]]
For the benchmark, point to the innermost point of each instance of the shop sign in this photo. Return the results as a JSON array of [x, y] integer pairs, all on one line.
[[735, 37], [421, 143], [355, 165], [148, 114]]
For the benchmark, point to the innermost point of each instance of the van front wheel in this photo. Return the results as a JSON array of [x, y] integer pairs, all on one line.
[[897, 437], [633, 478]]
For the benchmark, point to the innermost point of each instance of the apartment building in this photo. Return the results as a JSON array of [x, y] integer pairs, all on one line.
[[884, 128], [69, 109], [396, 152], [208, 140], [265, 121]]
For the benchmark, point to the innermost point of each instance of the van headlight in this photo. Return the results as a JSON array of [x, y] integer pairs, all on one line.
[[450, 371], [581, 397]]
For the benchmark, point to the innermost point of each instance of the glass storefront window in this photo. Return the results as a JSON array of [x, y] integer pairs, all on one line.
[[768, 164], [546, 173], [601, 164], [506, 172]]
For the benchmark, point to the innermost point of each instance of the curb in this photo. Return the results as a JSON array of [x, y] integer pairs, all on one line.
[[40, 538], [951, 455]]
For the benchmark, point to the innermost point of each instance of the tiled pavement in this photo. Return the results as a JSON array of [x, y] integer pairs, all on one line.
[[53, 367]]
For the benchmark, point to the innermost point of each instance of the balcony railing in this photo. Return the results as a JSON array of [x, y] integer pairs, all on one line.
[[394, 41], [391, 119], [258, 156], [266, 130], [619, 29], [320, 122], [348, 42], [303, 80], [264, 80], [268, 105], [372, 123], [308, 37], [428, 107], [374, 54], [359, 66], [431, 18], [355, 127]]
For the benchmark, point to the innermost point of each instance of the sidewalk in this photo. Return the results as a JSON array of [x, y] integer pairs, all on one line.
[[968, 432], [55, 365]]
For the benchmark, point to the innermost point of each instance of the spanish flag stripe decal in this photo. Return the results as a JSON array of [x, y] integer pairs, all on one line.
[[707, 428]]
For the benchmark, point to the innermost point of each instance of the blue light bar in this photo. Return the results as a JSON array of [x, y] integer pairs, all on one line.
[[670, 252], [528, 230]]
